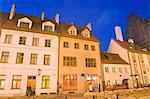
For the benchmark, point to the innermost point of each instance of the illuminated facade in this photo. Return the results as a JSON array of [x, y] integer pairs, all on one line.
[[28, 54]]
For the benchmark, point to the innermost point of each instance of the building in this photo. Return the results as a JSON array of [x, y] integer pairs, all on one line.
[[28, 54], [116, 71], [138, 58], [79, 55], [138, 29]]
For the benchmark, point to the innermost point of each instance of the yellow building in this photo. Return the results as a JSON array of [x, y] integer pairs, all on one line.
[[79, 56]]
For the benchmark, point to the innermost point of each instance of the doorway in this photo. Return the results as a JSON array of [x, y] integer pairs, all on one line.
[[32, 82]]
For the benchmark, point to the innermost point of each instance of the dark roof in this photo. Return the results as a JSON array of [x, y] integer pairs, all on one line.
[[60, 29], [131, 46], [111, 58]]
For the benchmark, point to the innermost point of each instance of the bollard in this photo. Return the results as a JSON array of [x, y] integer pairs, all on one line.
[[93, 97], [65, 97], [117, 96]]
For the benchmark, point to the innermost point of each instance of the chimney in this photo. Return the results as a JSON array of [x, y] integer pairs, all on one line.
[[57, 18], [89, 26], [42, 17], [118, 33], [72, 23], [12, 12], [130, 40]]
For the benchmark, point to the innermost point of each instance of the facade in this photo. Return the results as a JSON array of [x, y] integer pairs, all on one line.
[[137, 57], [79, 55], [139, 30], [116, 71], [28, 54]]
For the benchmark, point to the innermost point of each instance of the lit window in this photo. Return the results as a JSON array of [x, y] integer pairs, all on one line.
[[48, 28], [2, 81], [35, 42], [90, 62], [76, 45], [46, 59], [69, 82], [66, 45], [8, 39], [24, 25], [106, 69], [45, 82], [4, 57], [22, 40], [86, 47], [19, 59], [92, 47], [33, 59], [16, 82], [70, 61], [126, 70], [47, 43]]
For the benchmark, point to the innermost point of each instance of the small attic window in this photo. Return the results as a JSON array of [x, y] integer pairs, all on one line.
[[48, 28], [72, 30], [86, 33], [24, 25]]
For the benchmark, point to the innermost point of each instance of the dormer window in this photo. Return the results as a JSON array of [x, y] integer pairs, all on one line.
[[72, 30], [48, 26], [24, 23], [86, 33]]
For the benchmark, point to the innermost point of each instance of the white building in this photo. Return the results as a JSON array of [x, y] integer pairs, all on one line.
[[28, 54], [116, 71], [138, 58]]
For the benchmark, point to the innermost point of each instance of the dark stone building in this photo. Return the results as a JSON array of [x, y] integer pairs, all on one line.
[[138, 29]]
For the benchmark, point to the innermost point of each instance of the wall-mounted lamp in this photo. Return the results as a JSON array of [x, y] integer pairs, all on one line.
[[39, 72]]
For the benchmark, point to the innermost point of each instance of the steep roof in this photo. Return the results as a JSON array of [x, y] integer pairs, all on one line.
[[111, 58], [60, 29], [131, 46]]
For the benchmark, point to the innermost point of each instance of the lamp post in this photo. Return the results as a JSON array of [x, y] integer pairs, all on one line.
[[39, 72]]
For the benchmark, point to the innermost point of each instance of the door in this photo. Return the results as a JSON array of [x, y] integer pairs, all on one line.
[[32, 82]]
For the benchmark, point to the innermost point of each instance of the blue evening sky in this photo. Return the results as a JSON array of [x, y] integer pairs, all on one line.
[[104, 14]]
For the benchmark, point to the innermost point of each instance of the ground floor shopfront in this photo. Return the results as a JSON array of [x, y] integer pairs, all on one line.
[[14, 81]]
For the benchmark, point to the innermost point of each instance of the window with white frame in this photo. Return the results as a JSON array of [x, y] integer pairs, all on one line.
[[24, 25], [46, 59], [22, 40], [66, 45], [8, 39], [106, 69], [120, 69], [2, 81], [45, 82], [19, 59], [47, 43], [35, 42], [4, 57], [16, 82], [113, 69], [33, 59]]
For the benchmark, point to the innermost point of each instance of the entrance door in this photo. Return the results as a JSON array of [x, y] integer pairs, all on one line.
[[32, 82]]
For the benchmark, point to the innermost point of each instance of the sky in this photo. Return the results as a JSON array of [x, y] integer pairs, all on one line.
[[103, 14]]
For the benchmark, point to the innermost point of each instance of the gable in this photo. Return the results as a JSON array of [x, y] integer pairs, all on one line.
[[48, 23], [72, 30], [25, 20], [86, 33]]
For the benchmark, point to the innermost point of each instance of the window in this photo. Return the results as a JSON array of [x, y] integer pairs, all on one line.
[[45, 82], [120, 69], [47, 43], [70, 61], [69, 82], [8, 39], [24, 25], [33, 59], [113, 69], [4, 57], [76, 45], [66, 45], [19, 59], [126, 70], [46, 59], [16, 82], [48, 28], [86, 47], [2, 81], [92, 47], [133, 58], [22, 40], [72, 32], [90, 62], [35, 42], [106, 69]]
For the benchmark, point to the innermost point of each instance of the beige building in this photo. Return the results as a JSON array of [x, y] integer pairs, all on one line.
[[79, 56], [138, 58], [116, 71]]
